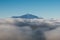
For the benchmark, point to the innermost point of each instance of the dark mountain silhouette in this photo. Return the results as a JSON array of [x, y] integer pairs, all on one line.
[[27, 16]]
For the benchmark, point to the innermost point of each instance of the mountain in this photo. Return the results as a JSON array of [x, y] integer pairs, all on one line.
[[26, 16]]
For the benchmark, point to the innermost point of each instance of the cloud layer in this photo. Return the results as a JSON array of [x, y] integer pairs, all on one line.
[[29, 29]]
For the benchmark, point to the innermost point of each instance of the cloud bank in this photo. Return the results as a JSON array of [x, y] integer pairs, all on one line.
[[29, 29]]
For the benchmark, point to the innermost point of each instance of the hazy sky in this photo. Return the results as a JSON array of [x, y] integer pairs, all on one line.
[[41, 8]]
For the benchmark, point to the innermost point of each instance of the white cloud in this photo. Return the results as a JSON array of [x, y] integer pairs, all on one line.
[[33, 29]]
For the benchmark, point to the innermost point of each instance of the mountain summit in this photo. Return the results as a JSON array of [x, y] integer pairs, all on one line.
[[26, 16]]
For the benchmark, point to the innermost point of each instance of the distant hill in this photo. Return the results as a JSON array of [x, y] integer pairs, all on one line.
[[27, 16]]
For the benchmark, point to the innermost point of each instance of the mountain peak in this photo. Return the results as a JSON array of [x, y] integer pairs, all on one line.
[[26, 16]]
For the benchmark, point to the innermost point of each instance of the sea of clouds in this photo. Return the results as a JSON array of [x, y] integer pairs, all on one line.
[[29, 29]]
